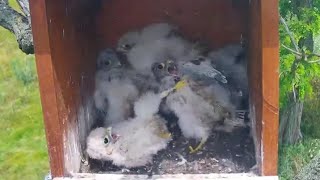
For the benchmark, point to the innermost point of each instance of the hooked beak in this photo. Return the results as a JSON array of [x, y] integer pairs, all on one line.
[[118, 65], [121, 49], [172, 69], [115, 137]]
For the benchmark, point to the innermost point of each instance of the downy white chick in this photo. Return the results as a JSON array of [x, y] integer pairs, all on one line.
[[197, 115], [132, 143], [166, 75], [142, 56], [114, 90], [232, 61], [157, 42], [212, 85], [149, 33]]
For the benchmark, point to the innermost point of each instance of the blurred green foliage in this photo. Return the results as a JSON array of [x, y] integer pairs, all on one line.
[[302, 76], [297, 74], [293, 157], [24, 70], [310, 120], [23, 150]]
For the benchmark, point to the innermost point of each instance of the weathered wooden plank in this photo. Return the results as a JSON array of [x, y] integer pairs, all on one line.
[[65, 54], [270, 86], [169, 177], [68, 34], [254, 69], [219, 22], [264, 79], [46, 75]]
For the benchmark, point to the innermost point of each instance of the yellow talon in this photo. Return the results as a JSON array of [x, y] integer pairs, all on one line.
[[194, 150], [180, 84]]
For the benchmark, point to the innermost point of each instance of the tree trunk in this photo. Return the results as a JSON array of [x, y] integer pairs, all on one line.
[[290, 121], [290, 118], [310, 171]]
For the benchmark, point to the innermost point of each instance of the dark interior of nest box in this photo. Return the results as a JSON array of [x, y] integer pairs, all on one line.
[[70, 33]]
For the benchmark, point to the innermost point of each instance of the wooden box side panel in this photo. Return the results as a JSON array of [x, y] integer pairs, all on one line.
[[270, 86], [264, 81], [255, 76], [47, 80], [64, 37], [217, 21]]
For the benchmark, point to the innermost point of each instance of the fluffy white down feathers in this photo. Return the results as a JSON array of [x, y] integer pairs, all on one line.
[[196, 116], [126, 94], [131, 148]]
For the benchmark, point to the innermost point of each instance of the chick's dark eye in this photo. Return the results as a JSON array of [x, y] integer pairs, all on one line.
[[201, 59], [106, 140], [195, 62], [160, 66], [107, 63], [126, 46]]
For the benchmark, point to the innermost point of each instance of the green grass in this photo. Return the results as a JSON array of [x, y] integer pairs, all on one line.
[[292, 158], [23, 151]]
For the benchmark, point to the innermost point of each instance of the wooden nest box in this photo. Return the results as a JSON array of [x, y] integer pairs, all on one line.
[[68, 34]]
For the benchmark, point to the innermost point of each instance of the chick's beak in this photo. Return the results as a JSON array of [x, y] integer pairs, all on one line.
[[119, 64], [172, 69], [115, 137]]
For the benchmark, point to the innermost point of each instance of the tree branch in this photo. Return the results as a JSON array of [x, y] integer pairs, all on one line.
[[307, 56], [315, 61], [18, 24], [4, 2], [24, 6], [293, 41], [294, 93], [314, 54], [291, 50]]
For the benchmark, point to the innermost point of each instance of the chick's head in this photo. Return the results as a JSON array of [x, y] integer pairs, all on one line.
[[107, 60], [163, 69], [166, 73], [101, 144], [128, 41]]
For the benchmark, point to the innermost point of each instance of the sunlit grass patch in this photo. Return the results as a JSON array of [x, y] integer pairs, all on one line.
[[23, 151]]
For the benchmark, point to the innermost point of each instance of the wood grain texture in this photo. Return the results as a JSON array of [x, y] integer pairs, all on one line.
[[270, 86], [243, 176], [255, 76], [218, 21], [264, 81], [69, 33], [47, 80], [65, 54]]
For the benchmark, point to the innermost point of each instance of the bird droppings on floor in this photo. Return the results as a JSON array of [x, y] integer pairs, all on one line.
[[223, 153]]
